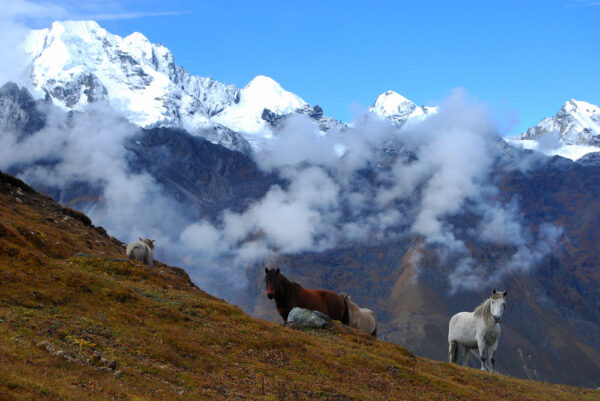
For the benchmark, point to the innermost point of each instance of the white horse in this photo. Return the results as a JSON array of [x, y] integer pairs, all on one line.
[[479, 330], [141, 251], [362, 319]]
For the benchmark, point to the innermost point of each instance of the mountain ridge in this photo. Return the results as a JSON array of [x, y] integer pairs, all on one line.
[[75, 63], [78, 62], [577, 122], [573, 132]]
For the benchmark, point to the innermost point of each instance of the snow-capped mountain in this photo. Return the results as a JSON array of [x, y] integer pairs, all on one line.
[[399, 110], [576, 123], [77, 62], [573, 132], [260, 94]]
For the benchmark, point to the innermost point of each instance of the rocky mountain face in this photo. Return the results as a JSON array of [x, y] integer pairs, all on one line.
[[19, 112], [205, 177], [574, 131], [200, 175], [590, 159], [577, 123]]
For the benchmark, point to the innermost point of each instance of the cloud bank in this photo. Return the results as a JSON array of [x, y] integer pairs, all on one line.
[[343, 188]]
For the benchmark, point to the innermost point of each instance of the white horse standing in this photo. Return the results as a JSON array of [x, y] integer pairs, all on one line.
[[362, 319], [141, 251], [479, 330]]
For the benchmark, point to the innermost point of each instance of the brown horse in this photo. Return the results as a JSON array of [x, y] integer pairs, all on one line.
[[289, 295]]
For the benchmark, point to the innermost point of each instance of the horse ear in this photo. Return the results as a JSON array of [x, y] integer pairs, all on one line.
[[267, 270], [140, 238], [494, 291], [278, 270], [504, 293]]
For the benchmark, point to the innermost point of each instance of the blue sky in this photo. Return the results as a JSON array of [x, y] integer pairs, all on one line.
[[523, 58]]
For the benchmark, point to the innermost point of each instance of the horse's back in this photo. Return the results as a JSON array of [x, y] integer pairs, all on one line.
[[327, 302], [140, 252], [462, 328]]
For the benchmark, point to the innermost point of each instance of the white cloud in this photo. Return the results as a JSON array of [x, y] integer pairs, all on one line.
[[330, 198]]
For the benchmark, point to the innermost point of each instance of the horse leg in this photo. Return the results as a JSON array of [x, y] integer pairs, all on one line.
[[483, 353], [466, 356], [493, 356], [453, 351]]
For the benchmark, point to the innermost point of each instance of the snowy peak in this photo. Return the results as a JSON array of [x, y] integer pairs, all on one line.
[[264, 92], [75, 63], [576, 123], [260, 94], [78, 62], [391, 103], [579, 106], [397, 109]]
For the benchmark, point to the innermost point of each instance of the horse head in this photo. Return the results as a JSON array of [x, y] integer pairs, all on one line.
[[273, 280], [498, 304], [148, 241]]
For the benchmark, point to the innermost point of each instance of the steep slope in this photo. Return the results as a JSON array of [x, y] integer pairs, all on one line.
[[78, 321]]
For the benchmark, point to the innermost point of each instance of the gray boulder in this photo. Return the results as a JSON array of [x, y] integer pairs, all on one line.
[[303, 318]]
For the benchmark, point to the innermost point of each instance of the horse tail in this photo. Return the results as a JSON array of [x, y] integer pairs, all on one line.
[[346, 316], [374, 333]]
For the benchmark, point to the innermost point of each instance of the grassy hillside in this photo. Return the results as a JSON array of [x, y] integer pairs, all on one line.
[[79, 322]]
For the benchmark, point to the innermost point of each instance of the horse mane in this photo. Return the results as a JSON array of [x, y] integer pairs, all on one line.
[[287, 282], [484, 310]]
